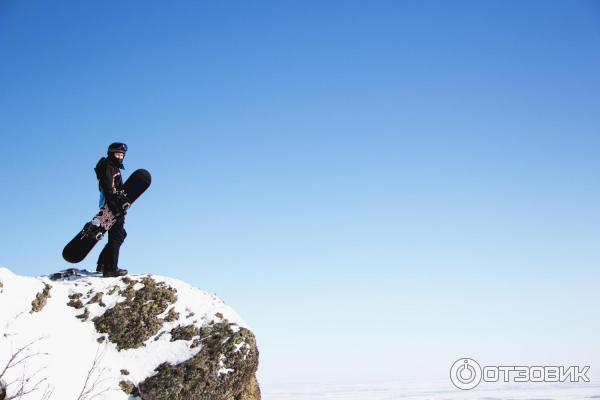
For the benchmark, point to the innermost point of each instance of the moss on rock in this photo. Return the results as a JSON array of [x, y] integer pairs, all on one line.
[[97, 298], [172, 315], [84, 316], [223, 369], [41, 299], [75, 300], [113, 290], [251, 391], [184, 332], [129, 388], [133, 321]]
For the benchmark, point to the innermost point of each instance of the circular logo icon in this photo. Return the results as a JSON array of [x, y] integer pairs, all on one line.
[[465, 373]]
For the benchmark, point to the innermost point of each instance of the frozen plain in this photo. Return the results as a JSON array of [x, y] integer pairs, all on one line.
[[435, 390]]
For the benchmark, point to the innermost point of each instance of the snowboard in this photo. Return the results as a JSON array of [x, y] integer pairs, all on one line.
[[78, 248], [71, 274]]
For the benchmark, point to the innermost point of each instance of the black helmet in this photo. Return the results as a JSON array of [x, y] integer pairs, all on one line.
[[117, 148]]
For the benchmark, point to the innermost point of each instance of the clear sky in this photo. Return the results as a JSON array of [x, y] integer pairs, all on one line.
[[377, 187]]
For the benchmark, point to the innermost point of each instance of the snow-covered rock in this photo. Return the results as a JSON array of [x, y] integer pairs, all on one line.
[[83, 337]]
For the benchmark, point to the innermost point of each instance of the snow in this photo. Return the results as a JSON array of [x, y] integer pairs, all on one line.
[[239, 346], [223, 370], [71, 346]]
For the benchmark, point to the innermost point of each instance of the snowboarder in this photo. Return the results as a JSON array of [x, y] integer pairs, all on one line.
[[110, 182]]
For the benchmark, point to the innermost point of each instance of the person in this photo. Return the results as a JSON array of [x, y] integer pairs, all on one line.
[[108, 171]]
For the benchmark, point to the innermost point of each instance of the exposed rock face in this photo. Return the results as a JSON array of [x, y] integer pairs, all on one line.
[[223, 369], [133, 321], [41, 299], [158, 338]]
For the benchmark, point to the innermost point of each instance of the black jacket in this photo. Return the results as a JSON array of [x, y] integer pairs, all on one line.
[[108, 172]]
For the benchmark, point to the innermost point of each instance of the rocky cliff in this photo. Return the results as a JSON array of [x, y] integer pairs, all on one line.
[[82, 337]]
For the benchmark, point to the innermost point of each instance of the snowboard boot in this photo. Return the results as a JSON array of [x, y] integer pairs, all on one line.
[[100, 268], [114, 273]]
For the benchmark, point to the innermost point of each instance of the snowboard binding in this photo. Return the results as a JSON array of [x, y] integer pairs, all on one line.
[[92, 230], [122, 200]]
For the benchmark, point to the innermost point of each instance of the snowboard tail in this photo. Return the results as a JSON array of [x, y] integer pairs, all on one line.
[[81, 245]]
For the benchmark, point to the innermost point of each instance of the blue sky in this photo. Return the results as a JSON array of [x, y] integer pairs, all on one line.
[[378, 188]]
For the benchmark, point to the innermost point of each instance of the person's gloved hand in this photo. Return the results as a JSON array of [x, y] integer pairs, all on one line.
[[114, 208]]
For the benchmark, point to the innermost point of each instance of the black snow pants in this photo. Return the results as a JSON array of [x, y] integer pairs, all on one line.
[[109, 257]]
